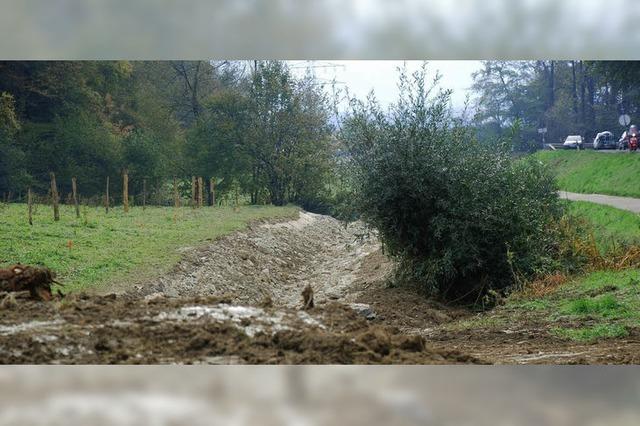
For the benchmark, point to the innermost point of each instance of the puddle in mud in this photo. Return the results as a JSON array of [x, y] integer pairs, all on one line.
[[251, 320]]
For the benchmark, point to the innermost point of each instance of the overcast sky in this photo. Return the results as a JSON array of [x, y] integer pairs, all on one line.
[[382, 76]]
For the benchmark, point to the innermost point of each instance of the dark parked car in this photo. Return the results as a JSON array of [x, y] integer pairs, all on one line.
[[605, 140]]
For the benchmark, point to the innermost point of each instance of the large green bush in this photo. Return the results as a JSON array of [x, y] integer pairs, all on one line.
[[461, 217]]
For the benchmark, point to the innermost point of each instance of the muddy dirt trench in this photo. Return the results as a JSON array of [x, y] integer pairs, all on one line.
[[235, 300], [238, 300], [274, 261]]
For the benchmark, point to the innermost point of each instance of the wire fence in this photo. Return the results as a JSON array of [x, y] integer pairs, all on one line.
[[195, 192]]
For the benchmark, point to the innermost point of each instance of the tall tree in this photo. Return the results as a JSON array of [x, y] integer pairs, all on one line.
[[289, 132], [13, 170]]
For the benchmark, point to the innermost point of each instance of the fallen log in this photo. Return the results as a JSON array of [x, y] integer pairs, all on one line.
[[36, 280]]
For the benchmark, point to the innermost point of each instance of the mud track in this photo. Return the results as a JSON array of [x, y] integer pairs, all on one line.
[[273, 261], [238, 300]]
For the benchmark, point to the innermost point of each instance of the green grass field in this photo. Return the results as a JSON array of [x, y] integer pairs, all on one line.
[[594, 172], [98, 250], [590, 307], [605, 303], [610, 226]]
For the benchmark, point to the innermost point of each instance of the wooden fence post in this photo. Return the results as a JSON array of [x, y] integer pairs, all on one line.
[[125, 190], [30, 203], [106, 198], [144, 194], [193, 191], [200, 192], [54, 197], [74, 190], [176, 198], [212, 192]]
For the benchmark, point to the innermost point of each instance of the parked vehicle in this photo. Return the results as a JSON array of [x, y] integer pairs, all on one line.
[[630, 140], [605, 140], [573, 141], [623, 142], [633, 142]]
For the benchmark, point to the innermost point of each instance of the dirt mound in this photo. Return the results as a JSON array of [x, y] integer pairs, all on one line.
[[409, 310], [236, 300], [272, 260], [112, 329]]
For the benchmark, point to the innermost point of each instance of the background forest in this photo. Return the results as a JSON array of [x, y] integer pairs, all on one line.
[[257, 130], [261, 132]]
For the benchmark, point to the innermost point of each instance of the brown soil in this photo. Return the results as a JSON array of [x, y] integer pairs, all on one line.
[[239, 300], [120, 329], [514, 338], [537, 346]]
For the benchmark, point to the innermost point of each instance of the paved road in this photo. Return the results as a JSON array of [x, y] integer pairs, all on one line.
[[624, 203], [589, 147]]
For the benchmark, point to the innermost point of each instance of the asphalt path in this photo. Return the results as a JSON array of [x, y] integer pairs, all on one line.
[[624, 203]]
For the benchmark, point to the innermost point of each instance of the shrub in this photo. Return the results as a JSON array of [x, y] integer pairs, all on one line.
[[461, 217]]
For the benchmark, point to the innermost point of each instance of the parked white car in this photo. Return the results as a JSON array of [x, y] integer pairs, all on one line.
[[605, 140], [573, 141]]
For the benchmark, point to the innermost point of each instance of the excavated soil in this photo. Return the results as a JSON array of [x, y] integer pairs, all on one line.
[[273, 261], [122, 329], [238, 300]]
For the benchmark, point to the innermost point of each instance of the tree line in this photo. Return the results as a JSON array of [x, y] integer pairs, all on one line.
[[566, 97], [254, 127]]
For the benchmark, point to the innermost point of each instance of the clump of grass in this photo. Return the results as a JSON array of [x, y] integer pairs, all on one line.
[[606, 306], [533, 305], [591, 243], [590, 334]]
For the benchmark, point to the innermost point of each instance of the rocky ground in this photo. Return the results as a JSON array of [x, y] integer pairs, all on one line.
[[273, 261]]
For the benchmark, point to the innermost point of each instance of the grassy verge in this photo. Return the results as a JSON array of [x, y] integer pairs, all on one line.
[[611, 227], [602, 304], [588, 308], [595, 172], [99, 249], [596, 305], [585, 308]]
